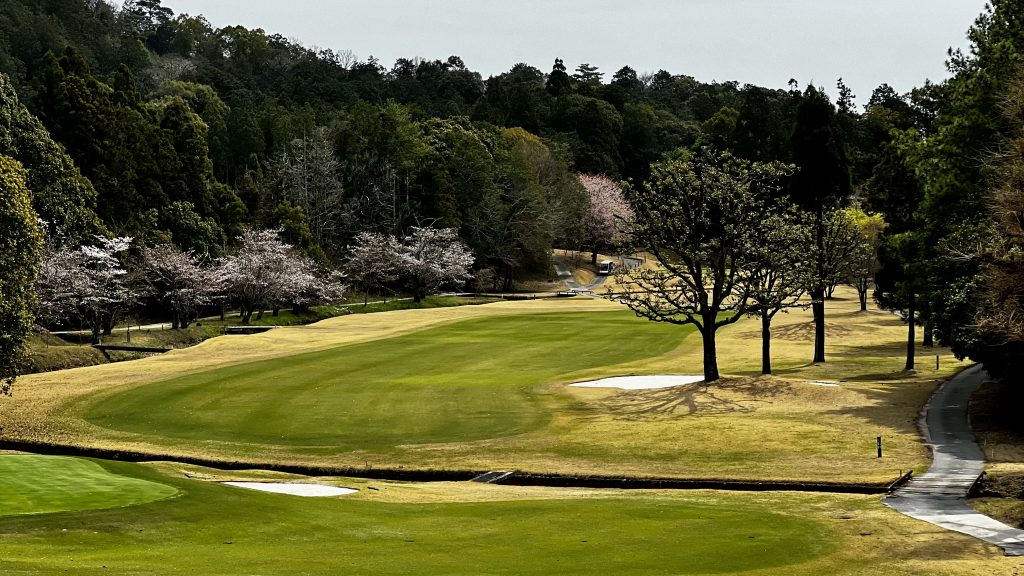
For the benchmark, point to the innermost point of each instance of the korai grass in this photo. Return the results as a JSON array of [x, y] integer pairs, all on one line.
[[31, 484], [451, 529], [508, 406]]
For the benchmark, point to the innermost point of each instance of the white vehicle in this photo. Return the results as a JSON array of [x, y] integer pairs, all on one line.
[[607, 267]]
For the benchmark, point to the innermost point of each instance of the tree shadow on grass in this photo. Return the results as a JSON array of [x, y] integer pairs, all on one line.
[[802, 332], [723, 397]]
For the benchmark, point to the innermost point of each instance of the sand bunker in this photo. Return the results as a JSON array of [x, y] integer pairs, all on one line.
[[825, 383], [640, 382], [308, 490]]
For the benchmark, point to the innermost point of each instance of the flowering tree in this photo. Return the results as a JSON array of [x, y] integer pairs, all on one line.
[[432, 258], [608, 216], [374, 261], [179, 281], [265, 272], [90, 282], [60, 279]]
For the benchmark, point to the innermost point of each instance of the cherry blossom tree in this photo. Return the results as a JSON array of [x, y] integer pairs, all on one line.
[[374, 261], [265, 272], [433, 258], [59, 280], [180, 282], [608, 217], [90, 282]]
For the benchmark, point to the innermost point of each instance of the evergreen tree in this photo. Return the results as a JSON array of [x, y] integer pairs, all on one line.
[[62, 197], [22, 242], [821, 183]]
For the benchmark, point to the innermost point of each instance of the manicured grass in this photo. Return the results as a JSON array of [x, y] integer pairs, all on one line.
[[470, 529], [214, 529], [31, 484], [473, 380], [483, 388]]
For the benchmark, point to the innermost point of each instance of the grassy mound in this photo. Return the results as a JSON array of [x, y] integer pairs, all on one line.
[[32, 484]]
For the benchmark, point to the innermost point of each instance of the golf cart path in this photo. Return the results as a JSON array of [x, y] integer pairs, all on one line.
[[939, 496], [565, 274]]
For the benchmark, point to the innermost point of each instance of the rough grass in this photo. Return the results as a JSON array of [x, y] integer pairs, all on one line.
[[32, 484], [48, 352], [396, 528], [746, 427]]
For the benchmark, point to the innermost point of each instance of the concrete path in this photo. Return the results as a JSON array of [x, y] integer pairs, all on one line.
[[565, 274], [939, 496]]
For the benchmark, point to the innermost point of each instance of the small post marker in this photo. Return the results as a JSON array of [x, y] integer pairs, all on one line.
[[936, 361], [879, 446]]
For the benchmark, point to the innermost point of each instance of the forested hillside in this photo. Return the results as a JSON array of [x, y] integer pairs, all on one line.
[[136, 122]]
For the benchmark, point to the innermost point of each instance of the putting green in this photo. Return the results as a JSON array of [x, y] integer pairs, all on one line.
[[466, 381], [213, 529], [42, 484]]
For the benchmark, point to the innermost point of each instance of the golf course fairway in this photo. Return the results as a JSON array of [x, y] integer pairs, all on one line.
[[460, 382]]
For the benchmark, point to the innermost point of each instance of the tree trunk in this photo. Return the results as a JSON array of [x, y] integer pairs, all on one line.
[[222, 313], [366, 298], [108, 325], [911, 333], [276, 311], [818, 294], [710, 354], [593, 257], [766, 343], [259, 315], [175, 321], [929, 335], [862, 293], [819, 326]]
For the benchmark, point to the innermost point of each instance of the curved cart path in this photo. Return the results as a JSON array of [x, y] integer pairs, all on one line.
[[939, 496]]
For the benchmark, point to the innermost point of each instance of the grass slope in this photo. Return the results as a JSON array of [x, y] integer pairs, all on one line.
[[463, 382], [32, 484]]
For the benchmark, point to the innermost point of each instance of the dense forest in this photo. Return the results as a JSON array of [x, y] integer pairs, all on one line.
[[132, 121]]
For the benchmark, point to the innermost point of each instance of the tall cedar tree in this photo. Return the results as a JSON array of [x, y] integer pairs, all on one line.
[[822, 182]]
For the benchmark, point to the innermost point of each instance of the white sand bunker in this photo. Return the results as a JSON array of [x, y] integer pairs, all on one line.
[[308, 490], [825, 384], [640, 382]]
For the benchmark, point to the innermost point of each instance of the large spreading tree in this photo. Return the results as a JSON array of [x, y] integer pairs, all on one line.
[[700, 216]]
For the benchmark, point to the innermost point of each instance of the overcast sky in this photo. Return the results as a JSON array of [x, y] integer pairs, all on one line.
[[764, 42]]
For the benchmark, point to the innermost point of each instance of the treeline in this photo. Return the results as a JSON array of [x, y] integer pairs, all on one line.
[[188, 133], [134, 121]]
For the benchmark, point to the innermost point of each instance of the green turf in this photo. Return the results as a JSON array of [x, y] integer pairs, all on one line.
[[214, 530], [43, 484], [460, 382]]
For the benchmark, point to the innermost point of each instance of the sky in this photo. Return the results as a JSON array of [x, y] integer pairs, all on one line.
[[763, 42]]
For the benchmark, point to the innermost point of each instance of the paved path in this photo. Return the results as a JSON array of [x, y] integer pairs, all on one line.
[[939, 496], [565, 274]]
